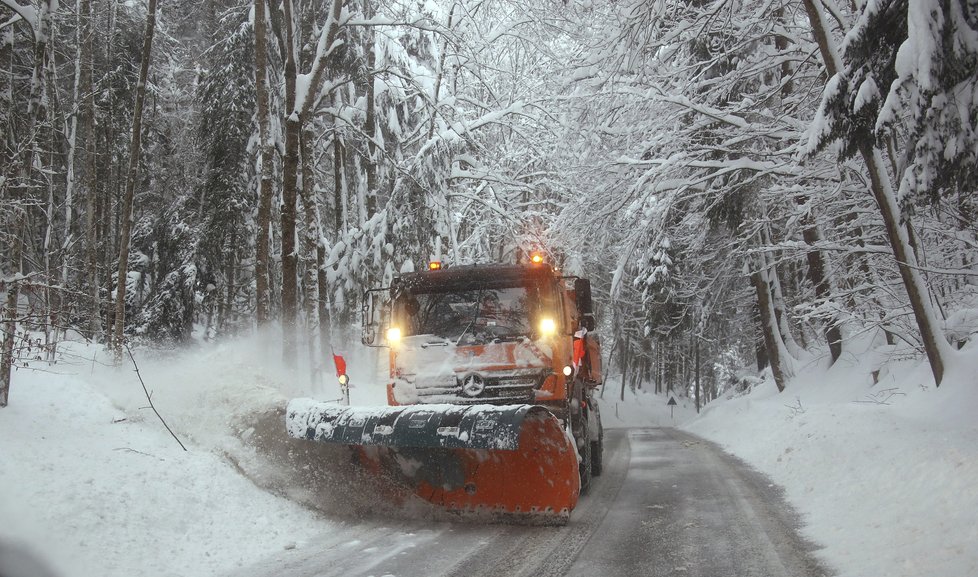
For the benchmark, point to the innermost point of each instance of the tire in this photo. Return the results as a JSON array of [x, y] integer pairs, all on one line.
[[585, 450], [597, 450]]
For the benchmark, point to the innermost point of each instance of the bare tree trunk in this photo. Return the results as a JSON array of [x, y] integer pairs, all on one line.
[[671, 368], [696, 371], [777, 299], [266, 145], [623, 359], [86, 55], [133, 173], [290, 290], [227, 315], [823, 288], [76, 126], [440, 76], [310, 240], [290, 169], [776, 352], [52, 300], [339, 184], [658, 366], [297, 112], [325, 325], [810, 233], [370, 123], [935, 346]]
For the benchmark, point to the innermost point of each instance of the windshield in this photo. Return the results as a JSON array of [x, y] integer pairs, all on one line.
[[466, 317]]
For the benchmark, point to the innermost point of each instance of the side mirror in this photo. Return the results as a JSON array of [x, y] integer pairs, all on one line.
[[375, 317], [582, 291], [585, 306]]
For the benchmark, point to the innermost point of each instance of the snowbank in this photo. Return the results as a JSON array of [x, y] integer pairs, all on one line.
[[94, 485], [884, 475]]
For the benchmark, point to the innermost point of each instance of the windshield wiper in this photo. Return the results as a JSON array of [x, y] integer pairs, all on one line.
[[509, 339], [478, 305]]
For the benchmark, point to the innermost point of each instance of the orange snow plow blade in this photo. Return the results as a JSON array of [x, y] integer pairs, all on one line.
[[513, 462]]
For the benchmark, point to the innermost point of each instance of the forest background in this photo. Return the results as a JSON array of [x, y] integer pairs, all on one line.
[[745, 182]]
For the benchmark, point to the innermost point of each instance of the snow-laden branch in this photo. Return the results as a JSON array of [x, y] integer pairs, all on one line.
[[455, 131], [384, 21], [26, 13], [491, 206], [714, 113], [313, 81], [13, 20], [720, 166]]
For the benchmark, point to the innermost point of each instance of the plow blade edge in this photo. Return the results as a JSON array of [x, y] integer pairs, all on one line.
[[507, 461]]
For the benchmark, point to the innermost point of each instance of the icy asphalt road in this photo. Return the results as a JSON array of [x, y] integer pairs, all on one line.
[[668, 503]]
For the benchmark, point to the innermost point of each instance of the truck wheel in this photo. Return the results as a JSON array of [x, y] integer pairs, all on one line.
[[597, 444], [584, 447], [597, 450]]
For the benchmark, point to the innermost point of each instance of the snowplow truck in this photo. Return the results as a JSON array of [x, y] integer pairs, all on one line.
[[492, 370]]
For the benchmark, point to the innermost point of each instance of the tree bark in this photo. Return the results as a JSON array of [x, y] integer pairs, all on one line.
[[339, 184], [935, 346], [290, 169], [297, 112], [310, 240], [266, 149], [696, 370], [623, 359], [370, 122], [658, 366], [823, 291], [133, 173], [777, 299], [325, 324], [290, 290], [87, 121], [776, 352]]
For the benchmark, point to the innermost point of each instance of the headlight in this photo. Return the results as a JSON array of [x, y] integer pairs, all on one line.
[[548, 327], [393, 334]]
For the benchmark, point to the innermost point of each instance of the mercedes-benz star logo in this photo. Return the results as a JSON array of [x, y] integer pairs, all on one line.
[[473, 385]]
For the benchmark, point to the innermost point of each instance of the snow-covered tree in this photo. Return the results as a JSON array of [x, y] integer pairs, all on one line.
[[887, 50]]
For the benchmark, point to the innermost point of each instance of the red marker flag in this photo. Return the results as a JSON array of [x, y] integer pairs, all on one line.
[[340, 365], [578, 352]]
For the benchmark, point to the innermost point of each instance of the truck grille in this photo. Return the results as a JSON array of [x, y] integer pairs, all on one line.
[[512, 388]]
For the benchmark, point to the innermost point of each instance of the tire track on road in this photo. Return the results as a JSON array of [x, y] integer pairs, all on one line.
[[550, 551]]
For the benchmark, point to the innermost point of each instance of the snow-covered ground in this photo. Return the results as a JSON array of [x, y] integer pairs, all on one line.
[[93, 483], [641, 408], [883, 475]]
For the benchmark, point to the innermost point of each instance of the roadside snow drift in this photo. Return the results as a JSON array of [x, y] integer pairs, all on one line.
[[884, 475], [94, 485]]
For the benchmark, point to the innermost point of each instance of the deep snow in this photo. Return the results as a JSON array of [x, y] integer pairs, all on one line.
[[883, 475]]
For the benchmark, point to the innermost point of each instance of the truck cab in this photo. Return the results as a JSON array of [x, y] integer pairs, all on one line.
[[492, 335]]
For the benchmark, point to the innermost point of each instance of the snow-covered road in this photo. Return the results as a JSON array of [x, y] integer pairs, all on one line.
[[668, 504]]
